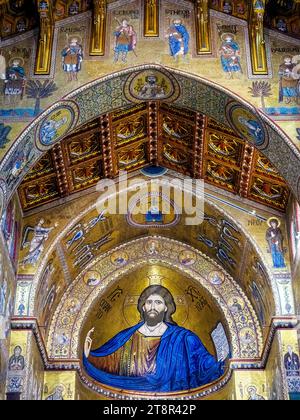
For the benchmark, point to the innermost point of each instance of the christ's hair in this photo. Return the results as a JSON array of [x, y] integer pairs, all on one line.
[[165, 295]]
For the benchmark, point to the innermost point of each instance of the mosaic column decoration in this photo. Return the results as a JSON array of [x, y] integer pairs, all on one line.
[[151, 18], [203, 36], [45, 43], [257, 38], [97, 46]]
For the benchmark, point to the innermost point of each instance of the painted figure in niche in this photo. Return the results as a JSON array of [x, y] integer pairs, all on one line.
[[291, 363], [57, 394], [125, 41], [72, 58], [43, 5], [281, 25], [253, 395], [36, 245], [15, 81], [21, 25], [230, 55], [241, 8], [60, 10], [274, 238], [289, 84], [17, 361], [179, 39], [21, 309], [74, 8], [156, 355], [227, 7]]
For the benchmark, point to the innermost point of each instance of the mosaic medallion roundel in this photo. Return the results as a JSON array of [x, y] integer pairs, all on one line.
[[56, 125], [152, 85], [247, 124]]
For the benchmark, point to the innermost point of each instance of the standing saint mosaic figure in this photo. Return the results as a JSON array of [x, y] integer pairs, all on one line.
[[72, 57], [230, 55], [179, 39], [125, 41], [275, 240]]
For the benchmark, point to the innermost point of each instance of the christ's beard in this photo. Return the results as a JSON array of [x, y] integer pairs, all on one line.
[[154, 320]]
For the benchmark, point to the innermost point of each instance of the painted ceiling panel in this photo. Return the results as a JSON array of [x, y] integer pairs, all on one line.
[[136, 137]]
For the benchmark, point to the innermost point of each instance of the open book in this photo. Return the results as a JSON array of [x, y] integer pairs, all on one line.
[[221, 343]]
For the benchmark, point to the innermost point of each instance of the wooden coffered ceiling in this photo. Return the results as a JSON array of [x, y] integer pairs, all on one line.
[[154, 134]]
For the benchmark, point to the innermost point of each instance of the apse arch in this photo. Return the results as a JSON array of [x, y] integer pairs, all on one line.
[[234, 324], [199, 271], [116, 91], [39, 274], [240, 349]]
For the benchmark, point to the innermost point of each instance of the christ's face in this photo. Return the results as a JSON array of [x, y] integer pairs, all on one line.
[[155, 308], [18, 352]]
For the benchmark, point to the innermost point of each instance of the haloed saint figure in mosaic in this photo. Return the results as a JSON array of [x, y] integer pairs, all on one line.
[[275, 240], [154, 356], [125, 41], [72, 57]]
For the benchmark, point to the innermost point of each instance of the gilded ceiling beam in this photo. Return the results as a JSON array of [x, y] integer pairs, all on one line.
[[45, 43], [153, 109], [61, 171], [257, 38], [203, 35], [199, 142], [151, 18], [247, 171], [97, 46]]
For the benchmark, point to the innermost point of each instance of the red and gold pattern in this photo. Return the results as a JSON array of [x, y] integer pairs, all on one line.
[[157, 134]]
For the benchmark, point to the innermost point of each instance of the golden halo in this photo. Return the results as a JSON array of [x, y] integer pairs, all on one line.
[[22, 61], [274, 219], [223, 36], [78, 37]]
